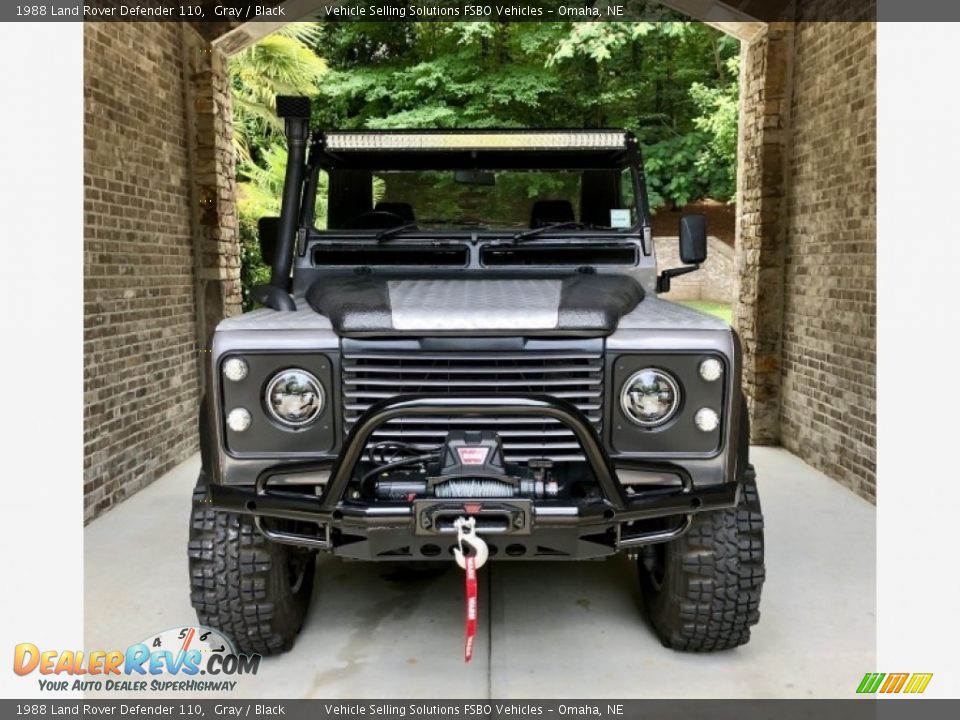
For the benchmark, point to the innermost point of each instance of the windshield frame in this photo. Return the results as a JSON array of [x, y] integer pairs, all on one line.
[[540, 160]]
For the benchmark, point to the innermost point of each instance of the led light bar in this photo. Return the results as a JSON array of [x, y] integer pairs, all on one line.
[[570, 140]]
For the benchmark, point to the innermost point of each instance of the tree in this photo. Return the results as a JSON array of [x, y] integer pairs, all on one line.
[[719, 119]]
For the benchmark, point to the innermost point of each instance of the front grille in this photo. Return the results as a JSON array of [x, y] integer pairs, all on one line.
[[573, 376]]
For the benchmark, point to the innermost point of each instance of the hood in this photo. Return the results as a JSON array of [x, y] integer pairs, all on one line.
[[575, 305]]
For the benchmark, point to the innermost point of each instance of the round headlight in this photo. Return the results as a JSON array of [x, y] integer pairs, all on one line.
[[650, 397], [239, 419], [235, 369], [706, 420], [711, 369], [294, 398]]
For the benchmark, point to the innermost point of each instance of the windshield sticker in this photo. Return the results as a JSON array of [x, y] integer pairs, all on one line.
[[620, 218]]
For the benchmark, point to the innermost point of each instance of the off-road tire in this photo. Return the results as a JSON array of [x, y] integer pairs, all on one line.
[[702, 591], [240, 582]]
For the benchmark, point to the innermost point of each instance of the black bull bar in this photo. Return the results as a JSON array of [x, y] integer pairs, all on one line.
[[600, 521]]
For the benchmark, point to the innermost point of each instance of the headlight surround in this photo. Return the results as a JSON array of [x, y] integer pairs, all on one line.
[[650, 397], [294, 398]]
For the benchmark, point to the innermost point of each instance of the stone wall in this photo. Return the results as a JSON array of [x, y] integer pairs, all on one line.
[[216, 227], [715, 279], [140, 353], [766, 67], [829, 343]]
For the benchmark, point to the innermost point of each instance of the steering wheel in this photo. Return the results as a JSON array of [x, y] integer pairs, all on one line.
[[374, 220]]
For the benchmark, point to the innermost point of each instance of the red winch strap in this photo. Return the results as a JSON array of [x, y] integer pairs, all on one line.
[[471, 621]]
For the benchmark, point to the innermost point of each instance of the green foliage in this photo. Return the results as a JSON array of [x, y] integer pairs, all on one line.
[[253, 271], [258, 195], [719, 115], [671, 167], [672, 83]]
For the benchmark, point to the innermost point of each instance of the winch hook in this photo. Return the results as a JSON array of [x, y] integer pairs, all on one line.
[[466, 528]]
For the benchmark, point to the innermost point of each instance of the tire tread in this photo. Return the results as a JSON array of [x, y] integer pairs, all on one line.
[[714, 576], [232, 583]]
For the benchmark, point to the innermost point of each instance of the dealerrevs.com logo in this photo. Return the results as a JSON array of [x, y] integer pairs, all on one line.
[[170, 661]]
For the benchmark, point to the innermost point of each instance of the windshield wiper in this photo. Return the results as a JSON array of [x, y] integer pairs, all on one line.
[[524, 235], [545, 228], [395, 230]]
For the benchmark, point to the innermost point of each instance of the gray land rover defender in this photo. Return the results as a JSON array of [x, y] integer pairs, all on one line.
[[475, 334]]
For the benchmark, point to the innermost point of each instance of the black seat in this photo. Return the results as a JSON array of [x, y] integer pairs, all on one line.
[[547, 212], [404, 210]]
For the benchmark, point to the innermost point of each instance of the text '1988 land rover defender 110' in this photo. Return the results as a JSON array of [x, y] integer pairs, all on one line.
[[471, 355]]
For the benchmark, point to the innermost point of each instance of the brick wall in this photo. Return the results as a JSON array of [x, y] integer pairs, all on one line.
[[828, 414], [140, 355]]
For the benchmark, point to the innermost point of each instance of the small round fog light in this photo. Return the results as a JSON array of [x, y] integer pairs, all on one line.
[[239, 420], [711, 369], [235, 369], [706, 420]]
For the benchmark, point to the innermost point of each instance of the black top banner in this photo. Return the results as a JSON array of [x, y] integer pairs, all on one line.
[[238, 12], [491, 709]]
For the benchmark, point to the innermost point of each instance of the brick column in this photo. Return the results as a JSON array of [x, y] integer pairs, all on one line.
[[140, 339], [215, 229], [761, 222]]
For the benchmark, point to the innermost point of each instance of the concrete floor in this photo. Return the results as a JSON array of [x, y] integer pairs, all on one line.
[[546, 629]]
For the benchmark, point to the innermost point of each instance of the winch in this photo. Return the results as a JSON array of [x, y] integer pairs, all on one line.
[[470, 464]]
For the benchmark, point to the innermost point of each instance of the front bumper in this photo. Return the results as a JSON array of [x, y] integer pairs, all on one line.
[[525, 529]]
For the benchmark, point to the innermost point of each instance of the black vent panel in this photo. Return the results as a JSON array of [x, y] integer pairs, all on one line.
[[576, 377]]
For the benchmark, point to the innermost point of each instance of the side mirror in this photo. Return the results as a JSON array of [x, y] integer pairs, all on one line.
[[693, 249], [693, 239], [268, 228]]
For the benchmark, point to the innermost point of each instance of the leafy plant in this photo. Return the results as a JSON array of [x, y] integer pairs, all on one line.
[[258, 195], [719, 119]]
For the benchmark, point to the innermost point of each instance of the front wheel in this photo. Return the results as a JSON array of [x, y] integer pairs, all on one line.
[[253, 590], [703, 590]]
